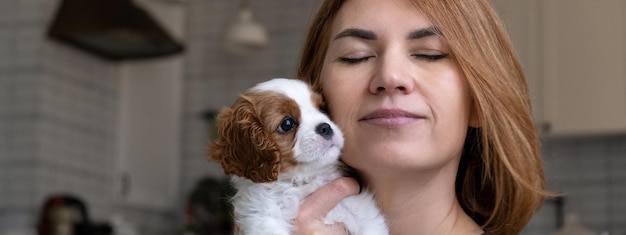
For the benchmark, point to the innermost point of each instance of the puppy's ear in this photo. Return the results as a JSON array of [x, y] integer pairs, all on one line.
[[243, 146]]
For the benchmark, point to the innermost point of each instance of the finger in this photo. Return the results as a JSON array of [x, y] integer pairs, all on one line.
[[320, 202]]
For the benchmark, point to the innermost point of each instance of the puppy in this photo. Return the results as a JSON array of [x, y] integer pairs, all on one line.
[[278, 148]]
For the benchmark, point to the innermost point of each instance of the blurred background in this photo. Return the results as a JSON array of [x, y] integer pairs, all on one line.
[[106, 108]]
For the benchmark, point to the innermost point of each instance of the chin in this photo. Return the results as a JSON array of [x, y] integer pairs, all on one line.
[[392, 158]]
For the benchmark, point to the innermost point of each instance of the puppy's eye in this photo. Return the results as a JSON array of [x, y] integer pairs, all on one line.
[[287, 125]]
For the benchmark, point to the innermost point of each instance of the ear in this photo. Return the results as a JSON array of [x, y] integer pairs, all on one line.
[[474, 119], [243, 146], [217, 147]]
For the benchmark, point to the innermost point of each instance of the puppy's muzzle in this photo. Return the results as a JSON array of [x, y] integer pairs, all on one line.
[[324, 130]]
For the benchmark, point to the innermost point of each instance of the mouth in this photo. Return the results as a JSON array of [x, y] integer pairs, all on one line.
[[390, 117]]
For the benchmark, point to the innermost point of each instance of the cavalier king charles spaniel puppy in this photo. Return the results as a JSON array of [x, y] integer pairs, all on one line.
[[278, 147]]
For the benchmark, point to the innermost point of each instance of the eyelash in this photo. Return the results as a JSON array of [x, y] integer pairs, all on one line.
[[426, 57], [349, 60], [431, 57]]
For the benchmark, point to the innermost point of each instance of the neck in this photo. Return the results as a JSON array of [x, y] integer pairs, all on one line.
[[422, 202]]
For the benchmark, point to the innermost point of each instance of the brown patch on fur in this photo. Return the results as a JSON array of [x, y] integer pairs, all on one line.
[[318, 101], [248, 144]]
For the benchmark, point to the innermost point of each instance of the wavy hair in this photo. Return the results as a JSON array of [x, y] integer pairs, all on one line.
[[500, 181]]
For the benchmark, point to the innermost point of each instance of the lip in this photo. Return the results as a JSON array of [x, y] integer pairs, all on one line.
[[390, 117]]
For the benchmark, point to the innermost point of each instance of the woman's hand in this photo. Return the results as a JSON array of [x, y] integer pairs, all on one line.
[[319, 203]]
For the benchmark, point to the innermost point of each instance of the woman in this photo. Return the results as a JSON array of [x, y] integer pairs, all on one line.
[[436, 114]]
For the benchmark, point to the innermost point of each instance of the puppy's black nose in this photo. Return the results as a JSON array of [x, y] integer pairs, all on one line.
[[324, 130]]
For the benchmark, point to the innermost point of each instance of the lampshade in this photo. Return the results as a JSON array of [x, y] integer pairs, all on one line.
[[244, 34], [112, 29]]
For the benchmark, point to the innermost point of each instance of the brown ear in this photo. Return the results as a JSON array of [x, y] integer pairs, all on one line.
[[243, 146]]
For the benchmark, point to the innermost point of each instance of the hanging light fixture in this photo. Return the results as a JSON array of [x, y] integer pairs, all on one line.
[[113, 29], [244, 34]]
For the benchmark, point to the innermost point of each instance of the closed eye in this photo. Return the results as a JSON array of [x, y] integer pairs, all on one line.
[[288, 124], [431, 57], [349, 60], [428, 57]]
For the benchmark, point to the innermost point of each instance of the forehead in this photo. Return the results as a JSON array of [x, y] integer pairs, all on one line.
[[379, 16]]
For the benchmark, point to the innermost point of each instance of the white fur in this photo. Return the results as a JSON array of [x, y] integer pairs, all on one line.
[[270, 208]]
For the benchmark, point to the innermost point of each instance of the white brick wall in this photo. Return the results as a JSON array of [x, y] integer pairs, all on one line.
[[57, 121], [590, 173]]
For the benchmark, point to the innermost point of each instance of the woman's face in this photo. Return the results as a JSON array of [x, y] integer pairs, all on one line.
[[394, 88]]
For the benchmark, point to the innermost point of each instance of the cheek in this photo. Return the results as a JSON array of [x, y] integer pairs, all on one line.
[[458, 85], [452, 110], [450, 92], [340, 106], [342, 99]]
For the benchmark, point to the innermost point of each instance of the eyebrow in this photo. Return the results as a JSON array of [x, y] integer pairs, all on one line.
[[425, 32], [357, 33], [370, 35]]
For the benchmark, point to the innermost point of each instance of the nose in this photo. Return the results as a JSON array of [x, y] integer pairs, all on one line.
[[392, 76], [324, 130]]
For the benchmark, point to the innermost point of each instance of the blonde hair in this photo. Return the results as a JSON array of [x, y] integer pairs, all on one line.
[[500, 181]]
